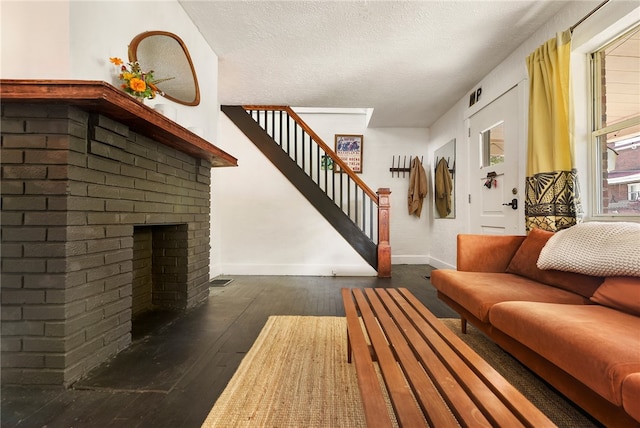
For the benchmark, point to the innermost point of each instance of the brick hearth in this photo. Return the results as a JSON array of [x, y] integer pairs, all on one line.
[[81, 193]]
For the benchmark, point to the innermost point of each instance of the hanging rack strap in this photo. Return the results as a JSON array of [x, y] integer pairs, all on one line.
[[584, 18]]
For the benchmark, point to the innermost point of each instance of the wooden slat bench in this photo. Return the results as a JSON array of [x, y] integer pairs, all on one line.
[[431, 377]]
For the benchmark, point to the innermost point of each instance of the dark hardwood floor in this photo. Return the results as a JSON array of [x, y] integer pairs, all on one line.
[[178, 364]]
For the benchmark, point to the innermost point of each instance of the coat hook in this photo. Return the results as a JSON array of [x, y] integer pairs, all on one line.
[[404, 168]]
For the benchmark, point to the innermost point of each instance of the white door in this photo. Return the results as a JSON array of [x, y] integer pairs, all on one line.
[[495, 139]]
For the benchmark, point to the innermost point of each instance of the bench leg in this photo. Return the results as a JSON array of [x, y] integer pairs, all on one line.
[[463, 325]]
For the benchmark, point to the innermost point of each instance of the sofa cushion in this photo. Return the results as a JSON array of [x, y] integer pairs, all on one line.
[[631, 395], [486, 253], [478, 291], [594, 248], [620, 292], [595, 344], [524, 263]]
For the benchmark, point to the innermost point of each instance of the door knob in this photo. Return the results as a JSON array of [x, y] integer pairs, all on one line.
[[513, 204]]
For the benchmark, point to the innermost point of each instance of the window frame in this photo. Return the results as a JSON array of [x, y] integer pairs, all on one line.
[[597, 131]]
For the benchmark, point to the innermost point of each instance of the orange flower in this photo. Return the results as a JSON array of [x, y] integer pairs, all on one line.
[[135, 81], [137, 85]]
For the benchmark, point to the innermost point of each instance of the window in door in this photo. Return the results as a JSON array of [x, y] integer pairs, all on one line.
[[616, 120], [492, 145]]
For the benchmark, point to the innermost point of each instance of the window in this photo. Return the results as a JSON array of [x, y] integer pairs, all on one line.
[[492, 145], [616, 120]]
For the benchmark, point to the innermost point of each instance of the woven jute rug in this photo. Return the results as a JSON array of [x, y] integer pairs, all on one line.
[[296, 375]]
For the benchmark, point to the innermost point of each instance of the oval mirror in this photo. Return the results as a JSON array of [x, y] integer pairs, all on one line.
[[168, 57]]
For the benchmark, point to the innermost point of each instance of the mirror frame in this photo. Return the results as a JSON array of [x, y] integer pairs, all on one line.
[[133, 48]]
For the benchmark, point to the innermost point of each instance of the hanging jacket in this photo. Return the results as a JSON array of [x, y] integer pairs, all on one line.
[[443, 188], [417, 187]]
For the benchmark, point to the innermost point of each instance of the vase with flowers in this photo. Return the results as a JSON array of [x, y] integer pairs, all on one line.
[[136, 82]]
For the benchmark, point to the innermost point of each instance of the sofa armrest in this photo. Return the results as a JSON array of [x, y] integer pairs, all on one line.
[[486, 253], [631, 395]]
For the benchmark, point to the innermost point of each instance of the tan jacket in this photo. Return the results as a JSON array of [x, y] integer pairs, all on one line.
[[443, 187], [417, 187]]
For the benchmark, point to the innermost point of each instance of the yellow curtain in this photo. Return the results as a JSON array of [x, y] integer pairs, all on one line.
[[552, 196]]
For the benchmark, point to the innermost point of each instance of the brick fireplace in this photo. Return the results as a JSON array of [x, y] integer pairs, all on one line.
[[105, 215]]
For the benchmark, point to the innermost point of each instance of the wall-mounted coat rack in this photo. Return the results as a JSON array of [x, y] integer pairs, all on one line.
[[406, 167], [452, 169]]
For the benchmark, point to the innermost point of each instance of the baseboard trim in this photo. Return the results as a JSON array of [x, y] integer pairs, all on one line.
[[298, 270], [439, 264]]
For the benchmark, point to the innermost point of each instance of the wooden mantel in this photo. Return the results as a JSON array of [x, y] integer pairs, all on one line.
[[100, 97]]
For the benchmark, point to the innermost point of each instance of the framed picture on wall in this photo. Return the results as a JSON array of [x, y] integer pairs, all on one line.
[[349, 149]]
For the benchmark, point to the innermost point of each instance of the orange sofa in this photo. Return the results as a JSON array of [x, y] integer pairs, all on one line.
[[581, 333]]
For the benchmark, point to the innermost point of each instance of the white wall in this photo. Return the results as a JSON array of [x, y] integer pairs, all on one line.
[[505, 76], [264, 226], [408, 234], [290, 237], [444, 230], [74, 40], [35, 40]]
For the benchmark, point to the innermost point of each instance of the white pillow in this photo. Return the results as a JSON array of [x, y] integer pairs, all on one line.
[[594, 248]]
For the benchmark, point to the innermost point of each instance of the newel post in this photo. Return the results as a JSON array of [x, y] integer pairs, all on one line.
[[384, 249]]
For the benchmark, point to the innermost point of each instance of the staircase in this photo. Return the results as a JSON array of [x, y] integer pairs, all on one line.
[[360, 215]]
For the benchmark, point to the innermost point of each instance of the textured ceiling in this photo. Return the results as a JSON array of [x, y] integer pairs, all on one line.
[[408, 60]]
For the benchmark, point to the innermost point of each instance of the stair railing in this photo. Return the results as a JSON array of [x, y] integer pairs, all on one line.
[[330, 173]]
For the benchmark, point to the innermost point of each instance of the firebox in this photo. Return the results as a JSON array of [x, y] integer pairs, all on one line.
[[160, 260]]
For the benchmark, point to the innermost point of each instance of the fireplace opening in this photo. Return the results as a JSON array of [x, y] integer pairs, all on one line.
[[159, 276]]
